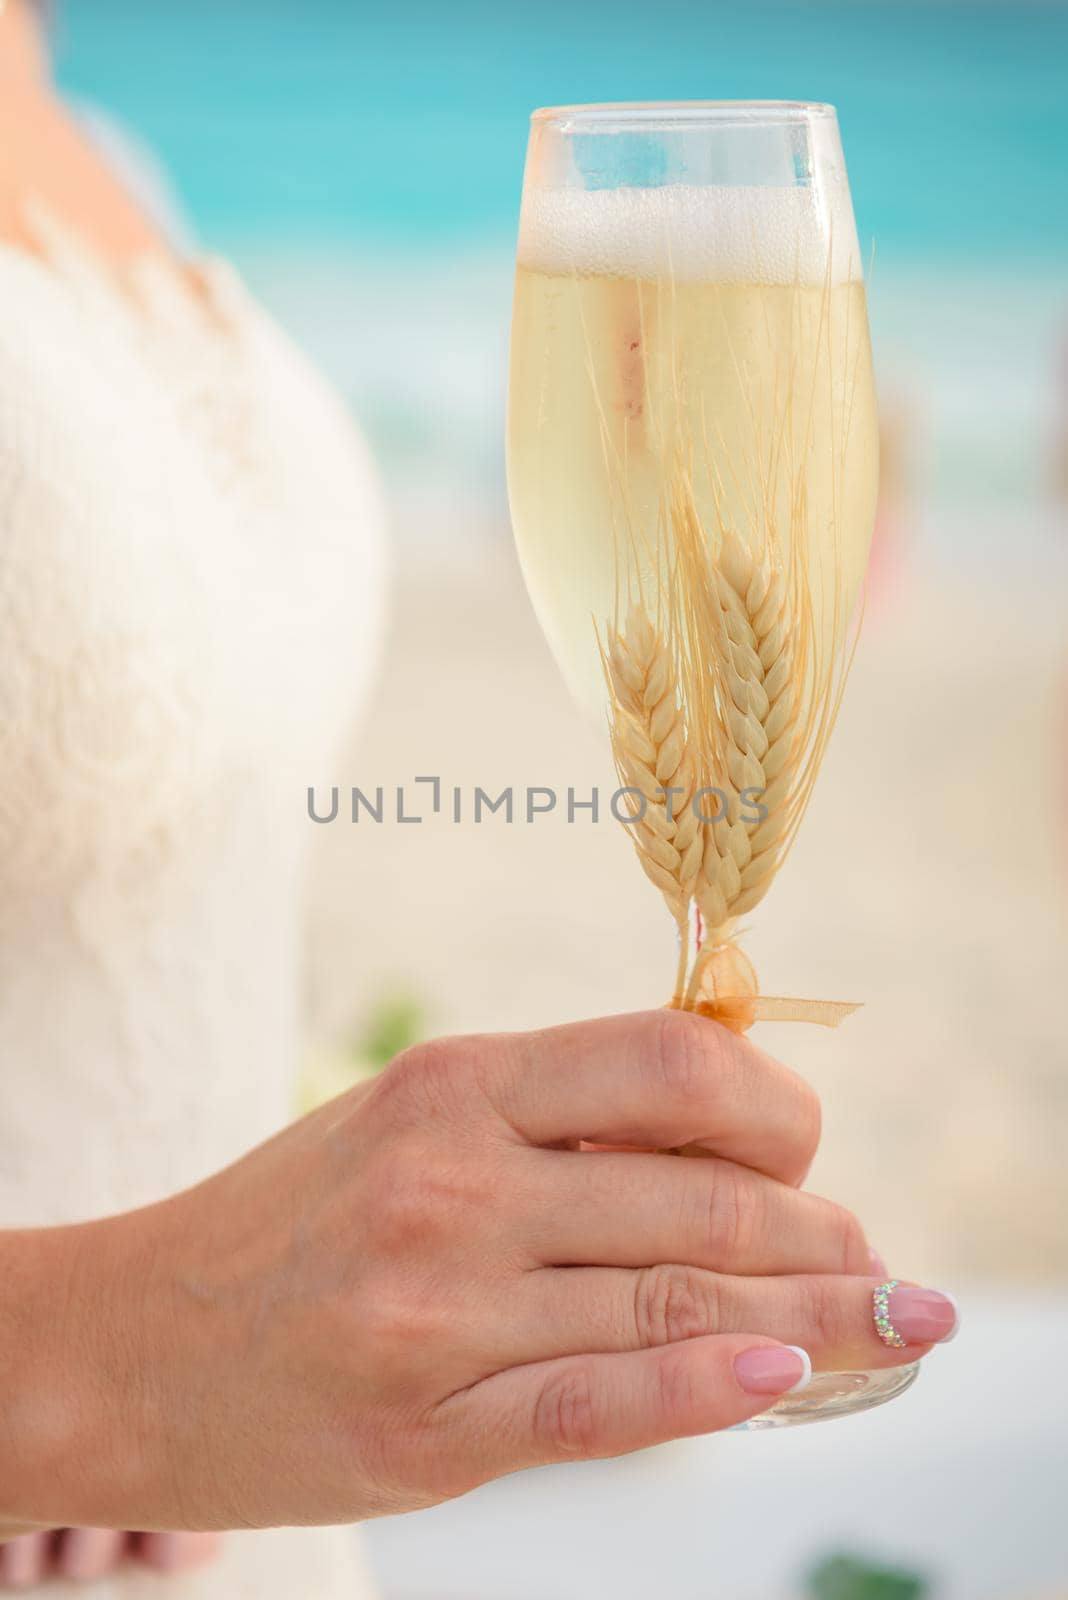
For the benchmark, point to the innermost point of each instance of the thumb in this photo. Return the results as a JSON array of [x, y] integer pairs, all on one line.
[[582, 1407]]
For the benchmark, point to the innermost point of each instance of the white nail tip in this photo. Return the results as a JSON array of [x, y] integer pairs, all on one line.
[[806, 1376]]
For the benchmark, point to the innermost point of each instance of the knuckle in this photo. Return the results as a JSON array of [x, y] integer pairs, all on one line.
[[378, 1446], [730, 1207], [850, 1239], [425, 1076], [426, 1199], [683, 1053], [565, 1413], [454, 1081], [675, 1398], [495, 1066], [394, 1322], [405, 1207], [825, 1311], [672, 1303]]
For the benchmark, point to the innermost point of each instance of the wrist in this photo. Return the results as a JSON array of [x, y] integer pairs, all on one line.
[[39, 1416], [77, 1418]]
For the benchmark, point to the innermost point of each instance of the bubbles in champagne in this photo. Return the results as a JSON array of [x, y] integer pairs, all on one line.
[[768, 235]]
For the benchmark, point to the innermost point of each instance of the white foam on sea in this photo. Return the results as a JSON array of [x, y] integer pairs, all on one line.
[[699, 233]]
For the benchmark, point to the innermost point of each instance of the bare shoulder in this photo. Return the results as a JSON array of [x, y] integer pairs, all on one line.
[[52, 159]]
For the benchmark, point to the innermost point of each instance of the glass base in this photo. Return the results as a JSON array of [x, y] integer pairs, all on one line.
[[836, 1394]]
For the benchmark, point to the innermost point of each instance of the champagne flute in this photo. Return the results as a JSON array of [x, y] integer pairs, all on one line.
[[692, 473]]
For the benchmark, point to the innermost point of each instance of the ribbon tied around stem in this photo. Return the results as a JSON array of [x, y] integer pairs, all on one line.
[[727, 991]]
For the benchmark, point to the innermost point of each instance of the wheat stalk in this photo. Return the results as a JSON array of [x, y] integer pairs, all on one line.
[[713, 700], [753, 663], [649, 742]]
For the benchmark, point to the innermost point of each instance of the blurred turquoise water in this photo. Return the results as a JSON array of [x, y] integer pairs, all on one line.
[[406, 123], [363, 166]]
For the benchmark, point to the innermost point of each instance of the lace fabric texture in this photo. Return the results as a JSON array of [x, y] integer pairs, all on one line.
[[191, 573]]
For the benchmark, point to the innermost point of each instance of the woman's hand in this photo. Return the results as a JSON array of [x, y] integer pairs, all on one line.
[[427, 1284]]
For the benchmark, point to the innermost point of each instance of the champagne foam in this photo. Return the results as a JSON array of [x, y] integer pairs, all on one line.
[[767, 235]]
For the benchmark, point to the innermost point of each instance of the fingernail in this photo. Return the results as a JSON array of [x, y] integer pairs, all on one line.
[[89, 1552], [923, 1316], [22, 1560], [878, 1265], [178, 1552], [773, 1369]]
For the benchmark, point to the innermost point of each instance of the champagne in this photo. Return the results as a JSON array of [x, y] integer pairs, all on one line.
[[715, 335]]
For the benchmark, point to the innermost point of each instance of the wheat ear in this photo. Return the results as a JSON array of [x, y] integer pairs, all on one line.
[[758, 713], [740, 693], [649, 743]]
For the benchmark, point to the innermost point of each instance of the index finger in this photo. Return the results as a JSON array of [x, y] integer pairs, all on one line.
[[661, 1080]]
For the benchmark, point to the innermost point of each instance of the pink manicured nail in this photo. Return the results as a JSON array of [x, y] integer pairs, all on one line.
[[878, 1265], [178, 1552], [923, 1316], [89, 1552], [773, 1369], [22, 1560]]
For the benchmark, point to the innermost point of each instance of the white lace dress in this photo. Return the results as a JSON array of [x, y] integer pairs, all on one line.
[[190, 595]]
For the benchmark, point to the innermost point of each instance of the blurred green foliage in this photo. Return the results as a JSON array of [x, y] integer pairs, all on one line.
[[847, 1577], [395, 1023]]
